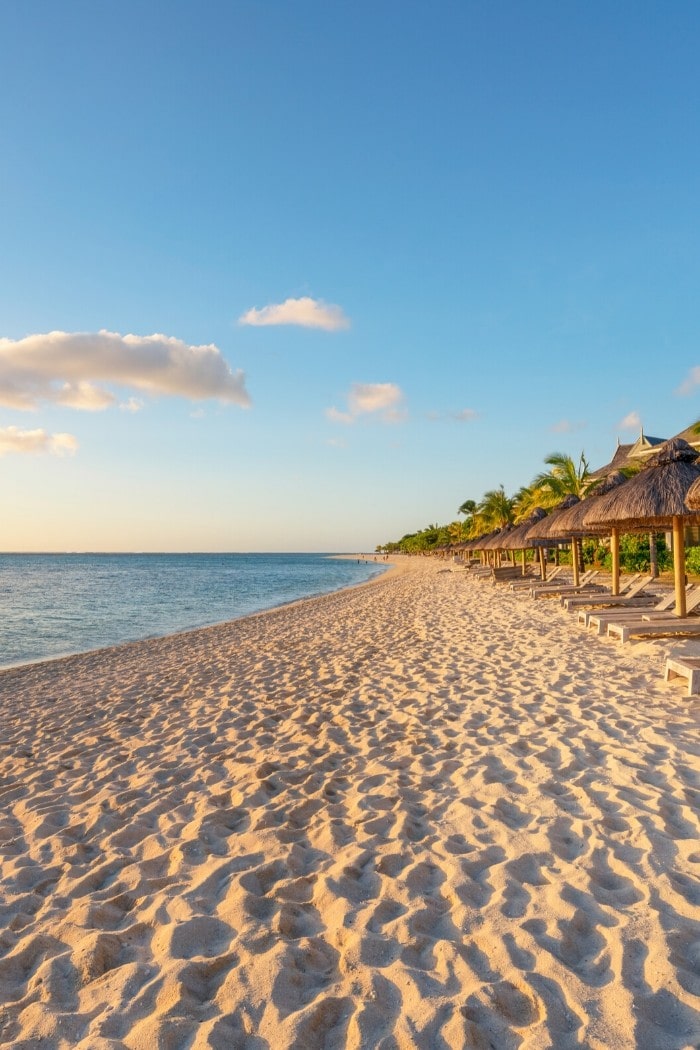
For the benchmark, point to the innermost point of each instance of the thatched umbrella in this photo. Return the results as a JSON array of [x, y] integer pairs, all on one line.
[[478, 544], [692, 496], [548, 529], [516, 540], [573, 522], [498, 540], [656, 497]]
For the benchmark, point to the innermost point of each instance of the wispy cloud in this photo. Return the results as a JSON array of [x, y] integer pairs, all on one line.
[[12, 439], [461, 415], [71, 368], [133, 404], [631, 421], [568, 426], [691, 381], [384, 400], [306, 312]]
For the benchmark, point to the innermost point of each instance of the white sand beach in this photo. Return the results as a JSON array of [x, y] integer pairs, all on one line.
[[419, 813]]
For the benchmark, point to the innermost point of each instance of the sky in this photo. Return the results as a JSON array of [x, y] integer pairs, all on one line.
[[307, 276]]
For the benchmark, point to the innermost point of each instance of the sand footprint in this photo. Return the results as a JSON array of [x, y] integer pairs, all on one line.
[[324, 1026], [306, 969], [203, 935], [374, 1023], [298, 920]]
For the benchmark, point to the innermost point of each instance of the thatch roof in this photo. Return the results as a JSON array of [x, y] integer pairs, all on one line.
[[478, 543], [497, 541], [655, 496], [517, 537], [571, 523], [692, 496], [548, 528], [619, 460], [691, 434]]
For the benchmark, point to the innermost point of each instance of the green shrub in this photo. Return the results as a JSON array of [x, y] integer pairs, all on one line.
[[634, 553], [692, 560]]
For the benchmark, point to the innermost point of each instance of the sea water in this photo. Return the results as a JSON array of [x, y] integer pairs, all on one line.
[[56, 604]]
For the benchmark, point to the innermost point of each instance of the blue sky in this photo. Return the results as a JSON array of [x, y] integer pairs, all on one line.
[[426, 246]]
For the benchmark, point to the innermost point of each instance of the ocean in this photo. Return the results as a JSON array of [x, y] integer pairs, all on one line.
[[55, 604]]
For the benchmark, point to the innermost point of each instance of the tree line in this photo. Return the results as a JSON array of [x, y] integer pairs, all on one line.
[[495, 510]]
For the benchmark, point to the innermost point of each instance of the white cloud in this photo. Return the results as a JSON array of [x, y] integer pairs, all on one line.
[[307, 312], [336, 416], [630, 422], [691, 381], [71, 368], [383, 399], [134, 404], [12, 439], [568, 426]]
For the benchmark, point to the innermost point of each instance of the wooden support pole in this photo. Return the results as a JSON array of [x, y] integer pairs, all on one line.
[[679, 566], [615, 552]]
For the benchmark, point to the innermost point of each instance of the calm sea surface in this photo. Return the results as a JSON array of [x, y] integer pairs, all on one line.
[[55, 604]]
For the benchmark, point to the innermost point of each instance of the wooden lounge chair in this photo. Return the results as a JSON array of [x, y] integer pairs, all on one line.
[[684, 667], [525, 583], [600, 618], [512, 574], [556, 591], [665, 625], [629, 590]]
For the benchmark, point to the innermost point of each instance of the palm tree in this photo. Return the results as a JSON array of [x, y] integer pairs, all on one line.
[[563, 479], [496, 508], [526, 499], [456, 530]]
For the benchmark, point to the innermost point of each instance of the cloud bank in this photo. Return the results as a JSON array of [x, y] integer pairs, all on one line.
[[12, 439], [72, 368], [691, 381], [384, 400], [306, 312]]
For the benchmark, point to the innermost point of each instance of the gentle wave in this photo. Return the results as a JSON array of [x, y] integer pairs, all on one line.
[[55, 604]]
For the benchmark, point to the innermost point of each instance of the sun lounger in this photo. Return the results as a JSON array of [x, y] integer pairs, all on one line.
[[600, 618], [526, 584], [478, 571], [630, 590], [684, 667], [512, 574], [555, 591], [665, 625]]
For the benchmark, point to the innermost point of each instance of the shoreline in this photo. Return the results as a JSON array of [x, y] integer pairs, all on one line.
[[382, 570], [415, 811]]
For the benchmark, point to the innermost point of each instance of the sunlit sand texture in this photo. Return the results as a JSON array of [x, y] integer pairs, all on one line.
[[420, 813]]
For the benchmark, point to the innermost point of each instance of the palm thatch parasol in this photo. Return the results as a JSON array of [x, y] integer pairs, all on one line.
[[477, 545], [656, 497], [516, 540], [548, 529], [573, 522], [692, 496], [497, 541]]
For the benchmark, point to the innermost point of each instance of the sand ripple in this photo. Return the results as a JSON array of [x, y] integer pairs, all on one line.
[[423, 813]]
